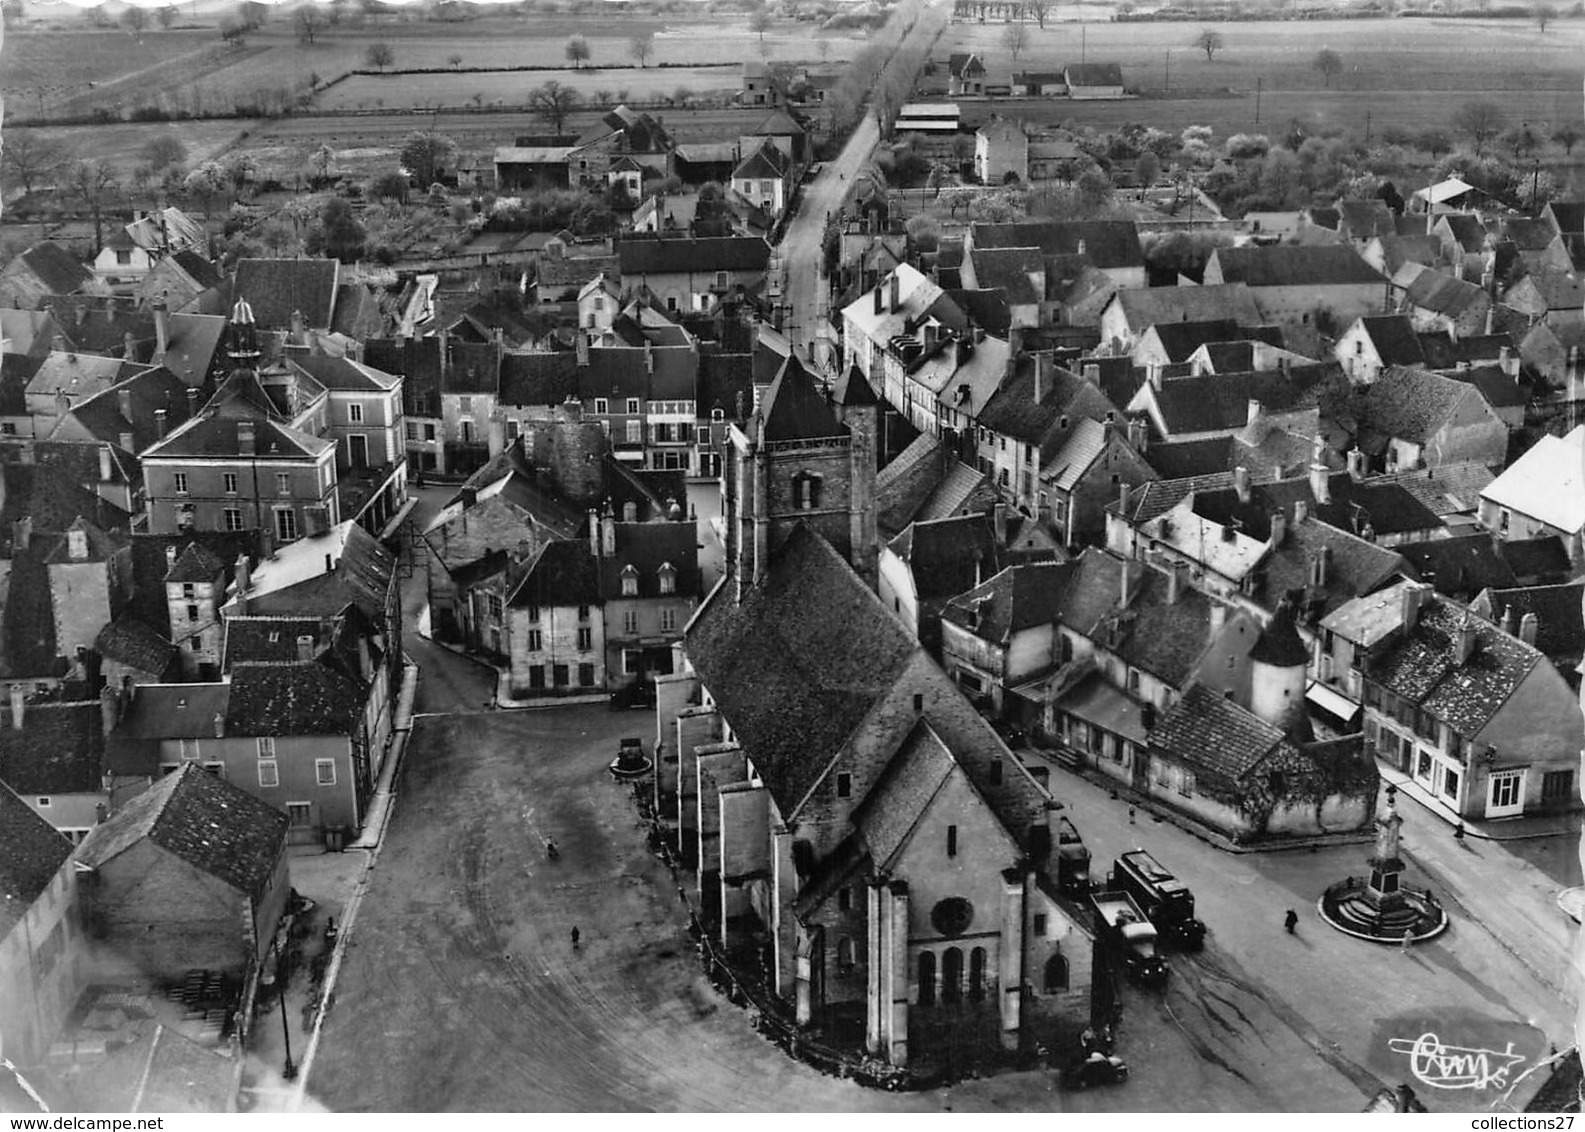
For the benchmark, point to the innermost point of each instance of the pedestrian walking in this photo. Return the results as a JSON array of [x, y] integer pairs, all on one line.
[[1130, 815], [575, 937], [1291, 920], [1408, 939]]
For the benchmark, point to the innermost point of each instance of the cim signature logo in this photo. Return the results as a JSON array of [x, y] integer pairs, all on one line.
[[1456, 1067]]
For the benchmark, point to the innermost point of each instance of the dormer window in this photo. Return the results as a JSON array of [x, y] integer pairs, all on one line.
[[668, 578], [629, 581], [717, 414]]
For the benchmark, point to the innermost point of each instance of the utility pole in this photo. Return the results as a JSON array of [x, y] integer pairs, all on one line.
[[1259, 82], [1083, 36], [1367, 127], [1167, 78]]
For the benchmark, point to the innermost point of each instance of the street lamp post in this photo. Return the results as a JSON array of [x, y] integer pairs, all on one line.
[[289, 1070]]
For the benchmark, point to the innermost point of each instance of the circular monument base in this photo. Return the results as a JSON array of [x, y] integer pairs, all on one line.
[[626, 770], [1345, 907]]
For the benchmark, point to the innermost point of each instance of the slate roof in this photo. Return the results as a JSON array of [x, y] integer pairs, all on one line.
[[1181, 459], [654, 255], [1538, 561], [200, 270], [1451, 489], [202, 819], [646, 547], [1084, 444], [1108, 243], [538, 378], [1409, 404], [59, 749], [798, 662], [1395, 340], [1441, 352], [945, 555], [1180, 339], [31, 852], [293, 698], [1386, 507], [1422, 667], [294, 581], [103, 415], [1443, 294], [172, 711], [1466, 228], [344, 374], [275, 288], [1012, 270], [1013, 411], [563, 572], [794, 409], [1214, 734], [1291, 265], [722, 378], [16, 371], [1279, 644]]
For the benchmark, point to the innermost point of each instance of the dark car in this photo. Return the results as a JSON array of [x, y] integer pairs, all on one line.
[[637, 695], [1096, 1069]]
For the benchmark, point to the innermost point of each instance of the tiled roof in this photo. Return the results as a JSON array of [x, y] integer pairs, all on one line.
[[1443, 294], [1385, 507], [292, 698], [1460, 566], [798, 662], [1220, 402], [1496, 388], [56, 268], [1451, 489], [1353, 566], [653, 255], [1210, 733], [275, 288], [564, 572], [1018, 598], [538, 379], [1148, 306], [344, 374], [1394, 338], [16, 371], [1410, 404], [173, 711], [1181, 459], [1013, 270], [904, 484], [1164, 638], [31, 852], [854, 389], [946, 556], [894, 806], [294, 581], [1290, 265], [1086, 442], [1422, 667], [1538, 561], [135, 643], [1108, 243], [1547, 482], [104, 415], [1466, 228], [200, 270], [203, 820], [646, 547], [961, 490], [195, 564], [58, 750], [1094, 74], [1559, 612], [211, 435], [1180, 339], [1013, 411], [1278, 644]]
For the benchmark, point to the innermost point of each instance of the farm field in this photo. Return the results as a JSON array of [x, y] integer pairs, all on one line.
[[510, 88], [120, 143], [1410, 74]]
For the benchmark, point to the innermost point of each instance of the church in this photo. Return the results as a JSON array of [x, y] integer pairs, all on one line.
[[845, 809]]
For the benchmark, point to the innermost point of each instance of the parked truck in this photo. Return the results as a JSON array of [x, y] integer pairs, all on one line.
[[1131, 937], [1073, 861], [1161, 896]]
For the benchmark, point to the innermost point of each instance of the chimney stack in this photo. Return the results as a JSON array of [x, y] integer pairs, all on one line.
[[1254, 411], [106, 464], [608, 532], [246, 438], [1175, 571], [192, 403], [1466, 638], [170, 556], [128, 443], [220, 725], [305, 647], [160, 425], [1138, 434], [895, 286], [124, 402], [1241, 483], [18, 706], [1301, 511], [109, 709], [1039, 367], [129, 347], [583, 351], [162, 331], [1529, 626], [1125, 583], [1091, 373], [1356, 464], [999, 523], [1413, 598], [1279, 526], [594, 532], [22, 533], [880, 298], [1507, 620]]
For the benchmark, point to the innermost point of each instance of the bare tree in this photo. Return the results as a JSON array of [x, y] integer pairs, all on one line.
[[1039, 9], [167, 16], [379, 55], [1015, 37], [1329, 63], [759, 23], [164, 151], [1568, 137], [641, 47], [309, 20], [1481, 119], [553, 102], [577, 51], [454, 60], [95, 184], [1544, 14], [31, 158], [1209, 41]]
